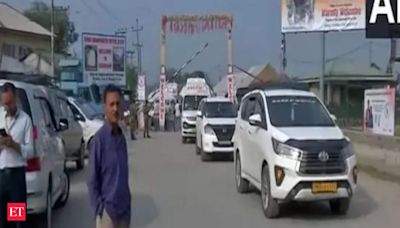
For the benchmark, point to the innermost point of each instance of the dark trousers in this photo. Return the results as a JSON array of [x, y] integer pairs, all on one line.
[[12, 189], [146, 132]]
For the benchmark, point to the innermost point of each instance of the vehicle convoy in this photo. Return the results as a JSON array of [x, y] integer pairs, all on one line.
[[289, 147], [215, 125], [88, 119], [192, 93], [47, 180]]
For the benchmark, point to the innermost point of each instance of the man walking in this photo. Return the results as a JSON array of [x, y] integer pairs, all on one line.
[[146, 110], [16, 146], [108, 168], [177, 112], [133, 119]]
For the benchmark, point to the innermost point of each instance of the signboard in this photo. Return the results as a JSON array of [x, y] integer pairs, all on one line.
[[172, 89], [379, 111], [322, 15], [162, 101], [141, 88], [104, 59], [231, 90]]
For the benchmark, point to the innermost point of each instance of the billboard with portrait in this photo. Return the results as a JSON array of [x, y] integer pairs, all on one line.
[[104, 59], [322, 15]]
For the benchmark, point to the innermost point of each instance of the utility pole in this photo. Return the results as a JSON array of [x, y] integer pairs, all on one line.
[[52, 39], [138, 45]]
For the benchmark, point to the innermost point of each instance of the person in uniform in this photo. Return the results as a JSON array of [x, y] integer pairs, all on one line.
[[133, 119], [146, 110]]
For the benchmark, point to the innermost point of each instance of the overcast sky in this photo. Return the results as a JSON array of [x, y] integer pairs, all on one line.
[[256, 35]]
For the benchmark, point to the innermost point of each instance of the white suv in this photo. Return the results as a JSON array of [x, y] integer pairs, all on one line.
[[288, 146], [215, 125]]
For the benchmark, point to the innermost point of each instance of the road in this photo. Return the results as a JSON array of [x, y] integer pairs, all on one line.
[[172, 188]]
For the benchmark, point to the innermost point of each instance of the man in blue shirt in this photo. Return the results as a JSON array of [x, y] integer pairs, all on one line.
[[108, 168]]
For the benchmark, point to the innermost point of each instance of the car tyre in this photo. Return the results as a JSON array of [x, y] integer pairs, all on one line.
[[64, 197], [198, 149], [242, 185], [204, 156], [270, 205], [184, 140], [339, 206], [80, 163]]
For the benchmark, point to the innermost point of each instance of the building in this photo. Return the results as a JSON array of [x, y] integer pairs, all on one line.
[[19, 36]]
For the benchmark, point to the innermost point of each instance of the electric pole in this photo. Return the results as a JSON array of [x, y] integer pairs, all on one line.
[[138, 45], [52, 39]]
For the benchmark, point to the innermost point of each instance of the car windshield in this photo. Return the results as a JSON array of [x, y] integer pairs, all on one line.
[[191, 103], [297, 111], [219, 110], [87, 109]]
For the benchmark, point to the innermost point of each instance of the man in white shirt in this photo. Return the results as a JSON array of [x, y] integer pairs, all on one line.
[[16, 146], [177, 116]]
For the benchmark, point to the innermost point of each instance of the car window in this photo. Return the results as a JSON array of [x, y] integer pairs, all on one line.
[[75, 111], [250, 106], [47, 116], [22, 101], [243, 109]]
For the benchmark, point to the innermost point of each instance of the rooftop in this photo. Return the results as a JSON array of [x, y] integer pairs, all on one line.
[[11, 18]]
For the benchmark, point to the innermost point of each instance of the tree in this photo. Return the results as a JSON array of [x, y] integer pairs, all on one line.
[[131, 78], [64, 29]]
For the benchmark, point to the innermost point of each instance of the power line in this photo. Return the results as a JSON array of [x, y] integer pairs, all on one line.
[[107, 10]]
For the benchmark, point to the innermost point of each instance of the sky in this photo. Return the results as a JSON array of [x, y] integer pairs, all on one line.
[[256, 35]]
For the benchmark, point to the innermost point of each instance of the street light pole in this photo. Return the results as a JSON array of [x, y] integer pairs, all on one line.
[[52, 39]]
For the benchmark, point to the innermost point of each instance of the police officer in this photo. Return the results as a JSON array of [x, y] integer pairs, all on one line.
[[146, 110], [133, 119]]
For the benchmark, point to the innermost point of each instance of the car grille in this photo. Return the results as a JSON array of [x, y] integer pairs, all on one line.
[[188, 126], [311, 161], [224, 132], [215, 144]]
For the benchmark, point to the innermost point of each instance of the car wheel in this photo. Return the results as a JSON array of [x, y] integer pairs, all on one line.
[[242, 185], [184, 140], [49, 208], [80, 163], [64, 197], [204, 156], [269, 204], [339, 206]]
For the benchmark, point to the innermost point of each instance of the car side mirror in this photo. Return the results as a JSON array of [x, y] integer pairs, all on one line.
[[333, 117], [79, 117], [63, 125], [255, 120], [199, 114]]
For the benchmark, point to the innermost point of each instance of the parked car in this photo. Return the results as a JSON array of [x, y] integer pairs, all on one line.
[[46, 178], [73, 136], [289, 147], [215, 125], [87, 118]]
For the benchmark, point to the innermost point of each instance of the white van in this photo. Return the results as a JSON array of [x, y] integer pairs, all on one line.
[[192, 93], [46, 178]]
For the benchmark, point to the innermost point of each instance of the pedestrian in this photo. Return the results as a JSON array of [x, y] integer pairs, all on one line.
[[146, 113], [177, 116], [108, 168], [16, 146], [133, 119]]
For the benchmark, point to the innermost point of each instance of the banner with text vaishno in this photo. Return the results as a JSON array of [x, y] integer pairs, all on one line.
[[322, 15], [103, 59]]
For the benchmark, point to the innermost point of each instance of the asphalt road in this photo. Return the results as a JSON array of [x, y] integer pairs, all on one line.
[[172, 188]]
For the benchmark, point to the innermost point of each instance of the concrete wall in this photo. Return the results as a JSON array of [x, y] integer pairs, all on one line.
[[23, 39]]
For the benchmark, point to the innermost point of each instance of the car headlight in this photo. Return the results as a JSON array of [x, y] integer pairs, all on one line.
[[208, 130], [286, 150], [347, 150]]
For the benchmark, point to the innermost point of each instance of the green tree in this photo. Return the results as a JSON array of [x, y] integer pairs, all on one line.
[[131, 78], [64, 28]]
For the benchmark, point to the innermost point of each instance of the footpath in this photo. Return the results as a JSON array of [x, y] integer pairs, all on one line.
[[377, 155]]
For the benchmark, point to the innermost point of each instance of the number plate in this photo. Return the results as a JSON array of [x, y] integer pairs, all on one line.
[[324, 187], [225, 143]]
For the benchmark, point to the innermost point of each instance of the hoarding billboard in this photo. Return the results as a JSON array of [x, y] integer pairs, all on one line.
[[322, 15], [379, 111], [104, 59]]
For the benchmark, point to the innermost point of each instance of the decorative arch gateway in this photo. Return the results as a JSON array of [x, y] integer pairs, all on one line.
[[189, 25]]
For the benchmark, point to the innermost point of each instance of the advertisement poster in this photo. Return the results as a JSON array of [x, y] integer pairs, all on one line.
[[162, 101], [379, 111], [322, 15], [141, 88], [104, 59], [231, 90]]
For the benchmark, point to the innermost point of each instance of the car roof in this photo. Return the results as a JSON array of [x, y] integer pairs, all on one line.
[[287, 92], [217, 99]]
